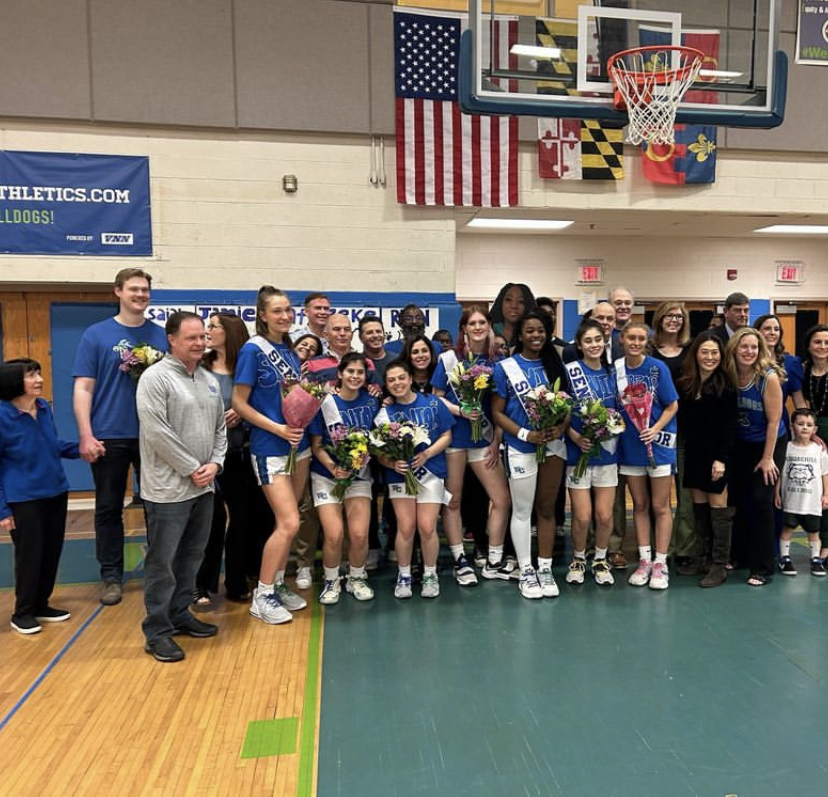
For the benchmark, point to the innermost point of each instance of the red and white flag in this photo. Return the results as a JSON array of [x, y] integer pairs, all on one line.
[[445, 157]]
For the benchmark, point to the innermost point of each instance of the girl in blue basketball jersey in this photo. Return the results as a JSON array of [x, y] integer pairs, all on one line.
[[759, 452], [476, 340], [265, 363], [350, 407], [536, 362], [417, 512], [634, 368], [591, 378]]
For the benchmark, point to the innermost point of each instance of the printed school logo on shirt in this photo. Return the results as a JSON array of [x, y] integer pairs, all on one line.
[[424, 416], [800, 474]]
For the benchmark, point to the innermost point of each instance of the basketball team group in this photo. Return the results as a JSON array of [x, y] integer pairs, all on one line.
[[253, 450]]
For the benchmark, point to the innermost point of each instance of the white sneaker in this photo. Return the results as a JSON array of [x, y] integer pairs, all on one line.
[[660, 576], [402, 589], [547, 583], [431, 587], [290, 600], [304, 578], [358, 587], [330, 592], [575, 574], [267, 607], [602, 572], [642, 574], [529, 585]]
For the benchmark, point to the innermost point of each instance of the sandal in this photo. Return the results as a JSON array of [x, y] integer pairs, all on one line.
[[201, 600], [757, 580]]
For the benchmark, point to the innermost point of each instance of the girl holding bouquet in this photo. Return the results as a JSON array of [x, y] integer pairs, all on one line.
[[265, 363], [592, 384], [339, 477], [535, 364], [472, 365], [416, 512], [759, 452], [648, 449]]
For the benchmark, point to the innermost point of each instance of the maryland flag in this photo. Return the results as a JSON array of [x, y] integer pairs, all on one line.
[[572, 149], [692, 159]]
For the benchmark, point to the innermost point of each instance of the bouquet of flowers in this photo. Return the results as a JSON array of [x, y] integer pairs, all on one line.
[[136, 360], [600, 423], [399, 440], [471, 381], [546, 407], [638, 402], [300, 403], [349, 449]]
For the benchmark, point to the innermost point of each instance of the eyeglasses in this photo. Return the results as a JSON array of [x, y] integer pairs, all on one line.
[[674, 317]]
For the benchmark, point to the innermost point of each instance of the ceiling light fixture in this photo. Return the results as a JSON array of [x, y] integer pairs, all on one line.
[[535, 52], [795, 229], [538, 225]]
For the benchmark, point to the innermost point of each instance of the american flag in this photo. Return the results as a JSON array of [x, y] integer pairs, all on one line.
[[445, 157]]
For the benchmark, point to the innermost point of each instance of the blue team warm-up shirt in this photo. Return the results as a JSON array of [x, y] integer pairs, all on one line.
[[591, 384], [428, 411], [114, 416], [356, 414], [461, 434], [656, 375], [254, 369]]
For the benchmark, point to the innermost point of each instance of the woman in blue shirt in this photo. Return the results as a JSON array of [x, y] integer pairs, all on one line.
[[759, 452], [416, 512], [34, 492], [535, 363], [351, 407], [265, 363], [637, 368]]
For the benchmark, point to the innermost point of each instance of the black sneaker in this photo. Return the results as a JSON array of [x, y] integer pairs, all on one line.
[[165, 649], [464, 572], [50, 615], [25, 624], [817, 567], [192, 626], [786, 566]]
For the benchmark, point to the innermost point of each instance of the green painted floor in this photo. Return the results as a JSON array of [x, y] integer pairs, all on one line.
[[619, 691]]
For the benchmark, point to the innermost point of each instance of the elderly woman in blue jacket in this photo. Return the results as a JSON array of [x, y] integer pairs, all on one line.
[[33, 492]]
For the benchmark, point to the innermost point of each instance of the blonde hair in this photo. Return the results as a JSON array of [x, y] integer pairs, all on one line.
[[658, 317], [764, 362], [638, 325]]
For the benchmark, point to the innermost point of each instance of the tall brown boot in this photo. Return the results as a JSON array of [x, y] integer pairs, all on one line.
[[703, 531], [722, 522]]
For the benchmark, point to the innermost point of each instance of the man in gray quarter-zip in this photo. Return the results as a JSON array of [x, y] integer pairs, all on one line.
[[183, 442]]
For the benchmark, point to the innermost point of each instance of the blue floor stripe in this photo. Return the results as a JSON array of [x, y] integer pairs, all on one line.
[[40, 678]]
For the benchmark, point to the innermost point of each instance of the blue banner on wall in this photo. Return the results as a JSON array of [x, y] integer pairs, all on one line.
[[63, 204]]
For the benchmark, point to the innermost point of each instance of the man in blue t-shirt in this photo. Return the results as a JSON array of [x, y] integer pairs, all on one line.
[[104, 405]]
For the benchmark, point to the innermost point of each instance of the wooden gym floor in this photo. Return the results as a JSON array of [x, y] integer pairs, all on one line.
[[617, 691]]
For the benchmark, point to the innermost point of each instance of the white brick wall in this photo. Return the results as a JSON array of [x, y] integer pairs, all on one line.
[[221, 220]]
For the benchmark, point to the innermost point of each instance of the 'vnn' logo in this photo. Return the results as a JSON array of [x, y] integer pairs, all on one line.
[[116, 238]]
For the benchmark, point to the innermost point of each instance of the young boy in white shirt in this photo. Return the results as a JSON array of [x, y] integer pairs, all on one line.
[[802, 491]]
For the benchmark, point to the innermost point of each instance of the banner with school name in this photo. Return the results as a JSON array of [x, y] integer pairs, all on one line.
[[159, 313], [72, 204]]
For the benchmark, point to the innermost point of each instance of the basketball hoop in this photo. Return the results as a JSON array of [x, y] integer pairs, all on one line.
[[649, 85]]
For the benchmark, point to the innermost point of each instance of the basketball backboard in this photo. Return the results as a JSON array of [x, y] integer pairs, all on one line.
[[553, 62]]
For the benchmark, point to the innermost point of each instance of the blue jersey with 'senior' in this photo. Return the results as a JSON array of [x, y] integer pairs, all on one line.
[[656, 375], [359, 413], [586, 383]]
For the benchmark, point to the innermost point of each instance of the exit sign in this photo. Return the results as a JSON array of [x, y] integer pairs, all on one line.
[[590, 272], [790, 272]]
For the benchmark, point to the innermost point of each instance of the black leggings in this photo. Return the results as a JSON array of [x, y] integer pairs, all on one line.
[[753, 526]]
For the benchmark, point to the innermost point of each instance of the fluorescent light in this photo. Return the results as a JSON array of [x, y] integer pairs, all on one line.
[[519, 224], [535, 52], [719, 73], [796, 229]]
